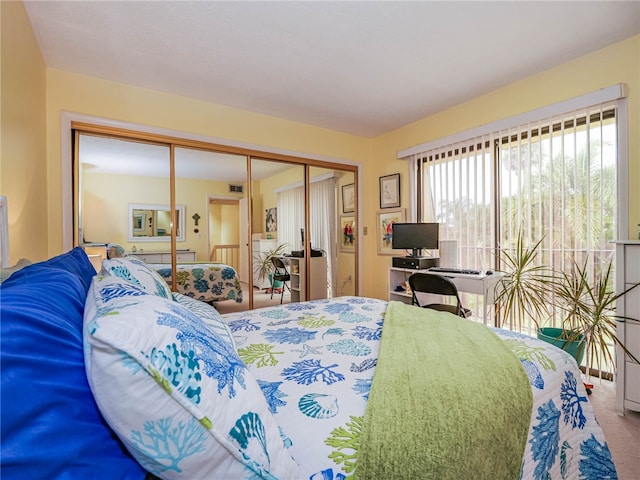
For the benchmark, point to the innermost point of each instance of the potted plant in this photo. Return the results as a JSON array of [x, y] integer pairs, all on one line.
[[588, 309], [263, 266], [586, 306], [521, 292]]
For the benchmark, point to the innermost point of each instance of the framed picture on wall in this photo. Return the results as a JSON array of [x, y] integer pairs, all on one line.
[[139, 222], [390, 191], [348, 235], [349, 198], [384, 229], [271, 219]]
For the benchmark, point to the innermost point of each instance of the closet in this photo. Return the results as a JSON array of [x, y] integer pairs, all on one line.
[[279, 198]]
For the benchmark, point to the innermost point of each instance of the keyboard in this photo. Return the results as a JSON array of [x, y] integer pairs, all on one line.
[[463, 271]]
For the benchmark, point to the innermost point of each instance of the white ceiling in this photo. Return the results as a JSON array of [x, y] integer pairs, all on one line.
[[359, 67], [124, 157]]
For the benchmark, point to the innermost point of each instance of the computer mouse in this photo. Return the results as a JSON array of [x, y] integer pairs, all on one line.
[[489, 272]]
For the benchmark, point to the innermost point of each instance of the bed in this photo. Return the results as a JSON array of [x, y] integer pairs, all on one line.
[[288, 392], [208, 282], [315, 362]]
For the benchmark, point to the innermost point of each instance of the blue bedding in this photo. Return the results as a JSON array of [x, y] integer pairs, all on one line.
[[315, 362], [51, 426]]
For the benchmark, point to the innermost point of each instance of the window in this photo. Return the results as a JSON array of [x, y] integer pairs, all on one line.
[[557, 180], [552, 177], [457, 185]]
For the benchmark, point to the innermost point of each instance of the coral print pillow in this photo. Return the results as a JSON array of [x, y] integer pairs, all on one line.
[[175, 391], [137, 272], [209, 315]]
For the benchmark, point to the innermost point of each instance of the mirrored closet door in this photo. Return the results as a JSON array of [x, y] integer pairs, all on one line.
[[210, 219], [124, 194], [278, 222], [213, 187]]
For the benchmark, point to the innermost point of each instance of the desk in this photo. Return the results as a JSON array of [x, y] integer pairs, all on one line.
[[478, 284]]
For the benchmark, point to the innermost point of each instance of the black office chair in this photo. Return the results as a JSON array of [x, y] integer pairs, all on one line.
[[281, 274], [437, 285]]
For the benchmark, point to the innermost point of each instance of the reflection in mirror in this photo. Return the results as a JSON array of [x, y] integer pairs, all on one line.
[[152, 223], [212, 188], [212, 185], [333, 231], [347, 229], [114, 173], [277, 190]]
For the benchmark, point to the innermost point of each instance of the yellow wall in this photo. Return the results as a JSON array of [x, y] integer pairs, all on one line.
[[619, 63], [23, 166], [106, 207], [34, 187], [268, 198]]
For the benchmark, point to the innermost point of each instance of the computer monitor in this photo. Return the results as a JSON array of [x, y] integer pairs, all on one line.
[[415, 237]]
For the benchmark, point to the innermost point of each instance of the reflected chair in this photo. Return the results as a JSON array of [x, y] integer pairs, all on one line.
[[437, 285], [281, 274]]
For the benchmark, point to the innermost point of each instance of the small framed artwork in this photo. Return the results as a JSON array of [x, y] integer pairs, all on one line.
[[271, 219], [139, 222], [348, 229], [384, 229], [390, 191], [349, 198]]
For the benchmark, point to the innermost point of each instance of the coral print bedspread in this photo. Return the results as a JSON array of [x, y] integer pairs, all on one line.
[[209, 282], [315, 363]]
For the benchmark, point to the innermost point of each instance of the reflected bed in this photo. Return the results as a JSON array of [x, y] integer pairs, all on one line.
[[208, 282]]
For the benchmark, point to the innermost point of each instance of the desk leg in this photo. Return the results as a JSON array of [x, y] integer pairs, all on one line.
[[485, 308]]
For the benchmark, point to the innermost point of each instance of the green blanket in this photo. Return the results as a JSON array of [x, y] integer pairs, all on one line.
[[449, 400]]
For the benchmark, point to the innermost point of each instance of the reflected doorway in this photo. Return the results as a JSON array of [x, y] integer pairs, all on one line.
[[224, 234]]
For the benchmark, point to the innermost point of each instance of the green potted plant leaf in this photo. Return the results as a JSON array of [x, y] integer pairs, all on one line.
[[263, 266], [532, 294], [588, 308], [521, 292]]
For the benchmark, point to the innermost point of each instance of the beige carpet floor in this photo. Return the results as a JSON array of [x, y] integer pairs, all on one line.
[[260, 299], [622, 432]]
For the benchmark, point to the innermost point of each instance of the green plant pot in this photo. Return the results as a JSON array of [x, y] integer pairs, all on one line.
[[554, 337], [274, 283]]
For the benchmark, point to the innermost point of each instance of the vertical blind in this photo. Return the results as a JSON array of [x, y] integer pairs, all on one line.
[[557, 182], [457, 191], [552, 179]]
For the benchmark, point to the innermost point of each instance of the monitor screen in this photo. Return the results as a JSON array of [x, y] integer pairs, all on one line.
[[415, 236]]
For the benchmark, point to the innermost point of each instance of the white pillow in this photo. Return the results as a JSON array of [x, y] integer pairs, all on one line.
[[137, 272], [175, 392], [209, 315]]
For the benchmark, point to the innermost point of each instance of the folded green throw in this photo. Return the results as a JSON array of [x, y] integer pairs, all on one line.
[[449, 400]]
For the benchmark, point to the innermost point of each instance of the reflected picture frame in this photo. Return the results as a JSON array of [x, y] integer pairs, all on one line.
[[390, 191], [384, 229], [271, 220], [349, 198], [348, 235], [139, 222]]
